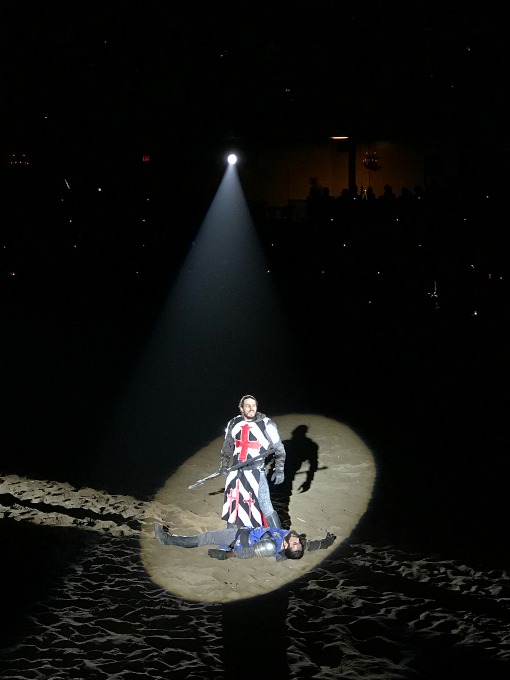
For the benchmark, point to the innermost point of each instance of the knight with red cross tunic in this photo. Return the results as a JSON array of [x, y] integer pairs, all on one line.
[[247, 501]]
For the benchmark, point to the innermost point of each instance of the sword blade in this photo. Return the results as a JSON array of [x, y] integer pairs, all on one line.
[[238, 466]]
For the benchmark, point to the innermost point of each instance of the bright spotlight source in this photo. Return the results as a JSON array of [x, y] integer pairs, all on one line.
[[232, 159]]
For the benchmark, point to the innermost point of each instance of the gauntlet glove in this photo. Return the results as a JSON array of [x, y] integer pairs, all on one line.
[[322, 543], [277, 477]]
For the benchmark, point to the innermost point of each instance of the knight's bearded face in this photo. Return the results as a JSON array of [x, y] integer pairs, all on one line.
[[249, 409]]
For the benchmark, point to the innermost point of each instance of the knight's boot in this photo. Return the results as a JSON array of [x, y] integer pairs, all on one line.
[[273, 521], [170, 539]]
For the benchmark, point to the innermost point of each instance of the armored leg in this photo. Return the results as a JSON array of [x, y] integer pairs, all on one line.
[[266, 505], [273, 520]]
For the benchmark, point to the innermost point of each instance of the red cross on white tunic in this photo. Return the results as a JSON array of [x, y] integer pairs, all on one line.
[[244, 444], [249, 502], [233, 497]]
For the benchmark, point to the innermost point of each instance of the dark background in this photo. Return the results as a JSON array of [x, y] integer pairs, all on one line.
[[86, 90], [107, 75]]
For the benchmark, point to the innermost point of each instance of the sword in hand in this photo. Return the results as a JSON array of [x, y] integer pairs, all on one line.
[[238, 466]]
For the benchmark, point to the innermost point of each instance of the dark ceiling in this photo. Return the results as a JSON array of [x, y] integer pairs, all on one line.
[[141, 73]]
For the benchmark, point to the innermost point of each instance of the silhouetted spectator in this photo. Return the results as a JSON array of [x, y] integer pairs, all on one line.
[[388, 193]]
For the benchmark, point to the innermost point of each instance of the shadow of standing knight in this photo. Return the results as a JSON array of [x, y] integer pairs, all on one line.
[[300, 449]]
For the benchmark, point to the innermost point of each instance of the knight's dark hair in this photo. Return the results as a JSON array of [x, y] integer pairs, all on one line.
[[296, 554]]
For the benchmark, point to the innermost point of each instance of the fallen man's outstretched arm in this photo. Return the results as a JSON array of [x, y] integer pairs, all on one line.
[[320, 544]]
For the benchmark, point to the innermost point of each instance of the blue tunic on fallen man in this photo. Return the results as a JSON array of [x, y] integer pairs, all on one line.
[[247, 542]]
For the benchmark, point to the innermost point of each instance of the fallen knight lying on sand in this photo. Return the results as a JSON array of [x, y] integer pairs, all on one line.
[[247, 542], [250, 438]]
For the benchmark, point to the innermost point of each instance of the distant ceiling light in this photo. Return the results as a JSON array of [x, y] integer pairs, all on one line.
[[232, 159], [337, 138]]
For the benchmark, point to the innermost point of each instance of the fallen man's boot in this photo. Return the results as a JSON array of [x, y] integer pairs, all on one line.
[[219, 554], [169, 539]]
